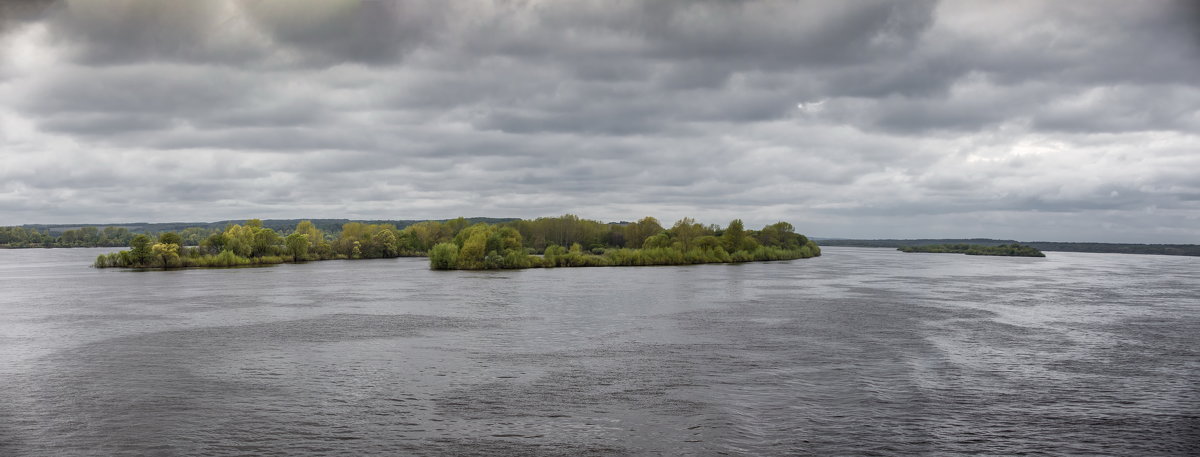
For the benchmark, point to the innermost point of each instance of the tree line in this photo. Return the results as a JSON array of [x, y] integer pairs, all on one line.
[[88, 237], [98, 235], [1012, 250], [1115, 248], [22, 237]]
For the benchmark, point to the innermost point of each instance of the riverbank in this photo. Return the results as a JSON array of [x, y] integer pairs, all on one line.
[[1007, 250]]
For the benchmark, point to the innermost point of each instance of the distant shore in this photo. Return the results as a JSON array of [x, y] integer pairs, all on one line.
[[1004, 250], [1110, 248]]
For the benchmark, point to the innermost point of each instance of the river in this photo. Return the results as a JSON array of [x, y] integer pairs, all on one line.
[[861, 351]]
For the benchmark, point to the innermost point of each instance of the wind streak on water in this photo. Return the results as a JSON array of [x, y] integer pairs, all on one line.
[[861, 351]]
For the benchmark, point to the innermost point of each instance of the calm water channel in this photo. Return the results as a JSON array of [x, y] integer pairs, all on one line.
[[862, 351]]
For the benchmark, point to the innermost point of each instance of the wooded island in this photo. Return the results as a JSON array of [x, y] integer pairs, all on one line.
[[565, 241]]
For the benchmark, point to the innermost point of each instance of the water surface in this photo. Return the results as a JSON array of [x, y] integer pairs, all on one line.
[[861, 351]]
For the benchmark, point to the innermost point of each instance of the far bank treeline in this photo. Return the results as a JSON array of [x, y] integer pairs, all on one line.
[[22, 237], [1009, 250], [456, 244]]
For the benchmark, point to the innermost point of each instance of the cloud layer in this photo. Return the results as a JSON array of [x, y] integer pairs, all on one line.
[[1027, 120]]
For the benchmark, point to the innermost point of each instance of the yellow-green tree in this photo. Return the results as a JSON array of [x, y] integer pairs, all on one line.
[[165, 254], [383, 243], [311, 232], [297, 245]]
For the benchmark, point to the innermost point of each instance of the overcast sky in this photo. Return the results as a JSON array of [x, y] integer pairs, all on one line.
[[1048, 120]]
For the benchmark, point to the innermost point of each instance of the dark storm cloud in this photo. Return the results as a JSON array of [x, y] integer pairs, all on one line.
[[321, 33], [15, 12], [120, 32], [847, 118]]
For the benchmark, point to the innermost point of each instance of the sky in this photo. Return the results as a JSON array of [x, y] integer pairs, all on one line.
[[1028, 120]]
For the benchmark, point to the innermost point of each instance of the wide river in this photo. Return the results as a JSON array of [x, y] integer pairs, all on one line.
[[861, 351]]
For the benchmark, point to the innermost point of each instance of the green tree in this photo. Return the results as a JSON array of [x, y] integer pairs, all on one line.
[[734, 236], [685, 231], [707, 243], [471, 256], [428, 234], [239, 240], [214, 244], [309, 230], [297, 245], [116, 236], [90, 236], [661, 240], [453, 226], [165, 255], [781, 234], [264, 242], [139, 248], [192, 236], [443, 256], [637, 232], [171, 238], [406, 243], [383, 243]]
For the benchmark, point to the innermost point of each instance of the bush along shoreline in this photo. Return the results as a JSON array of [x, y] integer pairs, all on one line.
[[564, 241]]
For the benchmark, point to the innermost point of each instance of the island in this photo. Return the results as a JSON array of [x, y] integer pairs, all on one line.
[[457, 244], [1010, 250]]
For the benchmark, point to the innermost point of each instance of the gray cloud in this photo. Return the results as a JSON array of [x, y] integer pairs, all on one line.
[[872, 119], [369, 31]]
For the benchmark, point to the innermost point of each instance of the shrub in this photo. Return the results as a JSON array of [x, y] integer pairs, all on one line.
[[443, 256]]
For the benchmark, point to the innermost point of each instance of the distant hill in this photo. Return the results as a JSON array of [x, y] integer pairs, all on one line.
[[1117, 248], [279, 225]]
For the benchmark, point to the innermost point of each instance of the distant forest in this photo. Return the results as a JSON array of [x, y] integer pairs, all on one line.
[[1116, 248], [1007, 250], [191, 233]]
